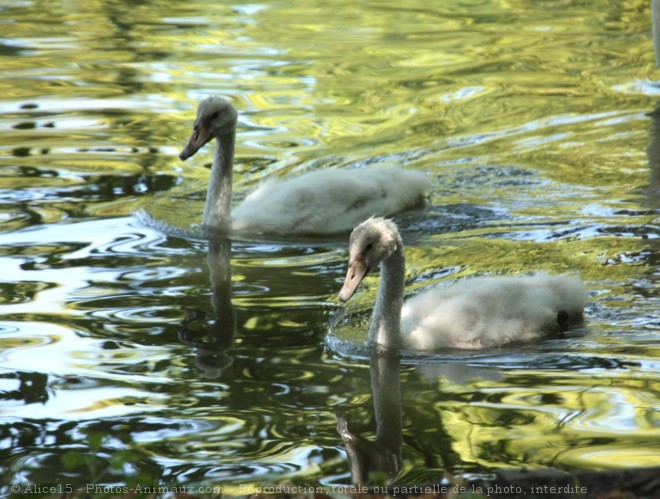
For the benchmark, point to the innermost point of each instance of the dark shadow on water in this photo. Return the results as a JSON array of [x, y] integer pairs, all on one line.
[[444, 219]]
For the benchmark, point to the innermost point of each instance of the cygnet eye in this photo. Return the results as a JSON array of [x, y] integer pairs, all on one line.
[[369, 247], [215, 115]]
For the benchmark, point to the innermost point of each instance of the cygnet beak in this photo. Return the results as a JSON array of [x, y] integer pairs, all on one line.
[[357, 269], [200, 136]]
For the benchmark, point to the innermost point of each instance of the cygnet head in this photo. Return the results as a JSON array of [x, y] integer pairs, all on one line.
[[372, 242], [215, 117]]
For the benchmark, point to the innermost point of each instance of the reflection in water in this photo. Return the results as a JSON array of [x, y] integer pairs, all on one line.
[[652, 191], [368, 459], [214, 345], [383, 454], [456, 372], [535, 155]]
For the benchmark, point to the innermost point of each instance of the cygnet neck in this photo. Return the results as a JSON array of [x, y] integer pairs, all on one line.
[[385, 329], [217, 210]]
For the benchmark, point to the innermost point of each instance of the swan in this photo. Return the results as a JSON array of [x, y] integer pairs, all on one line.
[[474, 313], [322, 202]]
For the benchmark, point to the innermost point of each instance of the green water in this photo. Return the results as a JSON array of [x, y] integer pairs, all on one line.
[[120, 364]]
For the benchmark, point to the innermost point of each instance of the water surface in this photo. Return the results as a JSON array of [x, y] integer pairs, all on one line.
[[126, 357]]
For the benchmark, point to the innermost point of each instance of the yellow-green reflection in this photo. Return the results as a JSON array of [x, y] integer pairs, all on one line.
[[532, 120]]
